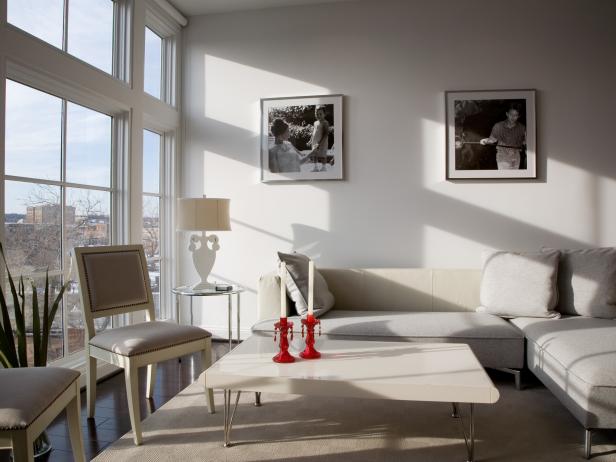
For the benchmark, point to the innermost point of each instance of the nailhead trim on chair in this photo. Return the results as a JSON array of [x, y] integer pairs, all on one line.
[[40, 413], [208, 335], [85, 271]]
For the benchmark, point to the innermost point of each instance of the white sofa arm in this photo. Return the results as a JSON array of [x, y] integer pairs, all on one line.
[[268, 301]]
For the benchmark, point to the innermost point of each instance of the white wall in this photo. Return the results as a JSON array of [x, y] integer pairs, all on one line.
[[393, 60]]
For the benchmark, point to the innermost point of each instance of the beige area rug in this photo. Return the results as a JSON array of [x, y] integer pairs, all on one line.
[[527, 425]]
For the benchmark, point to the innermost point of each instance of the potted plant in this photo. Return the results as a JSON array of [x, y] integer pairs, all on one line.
[[13, 342]]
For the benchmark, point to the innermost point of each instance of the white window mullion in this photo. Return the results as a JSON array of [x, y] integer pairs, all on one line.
[[65, 27], [63, 239], [167, 224], [2, 133]]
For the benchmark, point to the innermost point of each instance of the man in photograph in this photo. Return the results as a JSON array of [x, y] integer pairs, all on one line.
[[509, 136]]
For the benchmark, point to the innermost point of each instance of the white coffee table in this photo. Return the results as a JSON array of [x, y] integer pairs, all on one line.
[[439, 372]]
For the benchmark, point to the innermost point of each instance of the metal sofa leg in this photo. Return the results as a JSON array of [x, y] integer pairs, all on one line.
[[517, 373], [587, 442]]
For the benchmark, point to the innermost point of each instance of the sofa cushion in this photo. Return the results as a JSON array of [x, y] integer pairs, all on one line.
[[495, 342], [297, 285], [519, 284], [575, 357], [587, 282]]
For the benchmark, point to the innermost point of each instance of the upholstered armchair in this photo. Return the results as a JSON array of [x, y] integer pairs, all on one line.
[[114, 280], [30, 398]]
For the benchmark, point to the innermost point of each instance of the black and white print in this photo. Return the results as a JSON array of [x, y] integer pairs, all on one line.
[[301, 138], [491, 134]]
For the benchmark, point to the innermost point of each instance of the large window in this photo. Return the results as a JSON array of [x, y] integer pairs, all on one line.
[[68, 137], [83, 28], [151, 235], [58, 195]]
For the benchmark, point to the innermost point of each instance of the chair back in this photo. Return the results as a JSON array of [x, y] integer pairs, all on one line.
[[113, 280]]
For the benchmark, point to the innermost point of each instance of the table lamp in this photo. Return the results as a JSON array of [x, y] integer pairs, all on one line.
[[203, 214]]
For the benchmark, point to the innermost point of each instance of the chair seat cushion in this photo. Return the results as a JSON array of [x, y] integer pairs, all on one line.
[[495, 342], [28, 391], [146, 337]]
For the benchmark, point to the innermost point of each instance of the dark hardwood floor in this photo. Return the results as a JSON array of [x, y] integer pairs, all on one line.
[[112, 419]]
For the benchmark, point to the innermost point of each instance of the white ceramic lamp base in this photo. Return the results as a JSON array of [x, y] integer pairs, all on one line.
[[203, 249]]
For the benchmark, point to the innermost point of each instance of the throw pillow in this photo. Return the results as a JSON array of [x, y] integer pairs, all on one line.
[[587, 282], [297, 285], [519, 284]]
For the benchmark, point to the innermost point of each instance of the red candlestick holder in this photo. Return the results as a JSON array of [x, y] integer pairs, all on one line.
[[283, 326], [310, 351]]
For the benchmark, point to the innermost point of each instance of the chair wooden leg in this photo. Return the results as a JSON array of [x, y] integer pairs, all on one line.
[[131, 377], [23, 450], [151, 380], [73, 417], [206, 362], [91, 385]]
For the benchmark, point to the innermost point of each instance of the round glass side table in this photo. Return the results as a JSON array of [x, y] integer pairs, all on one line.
[[186, 291]]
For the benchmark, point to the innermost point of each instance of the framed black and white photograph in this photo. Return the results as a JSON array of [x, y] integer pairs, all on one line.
[[491, 134], [301, 138]]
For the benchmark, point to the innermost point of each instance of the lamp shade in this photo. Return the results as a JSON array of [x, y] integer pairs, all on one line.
[[203, 214]]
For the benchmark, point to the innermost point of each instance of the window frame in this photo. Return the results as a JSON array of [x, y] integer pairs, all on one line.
[[33, 62], [116, 207]]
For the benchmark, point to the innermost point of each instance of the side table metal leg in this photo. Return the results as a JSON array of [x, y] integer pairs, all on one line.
[[177, 316], [230, 308], [454, 410], [228, 416], [257, 398], [238, 318]]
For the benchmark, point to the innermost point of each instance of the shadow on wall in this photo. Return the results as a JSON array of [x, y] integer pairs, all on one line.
[[379, 214]]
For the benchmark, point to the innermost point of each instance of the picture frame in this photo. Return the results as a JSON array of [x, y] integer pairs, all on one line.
[[301, 138], [490, 134]]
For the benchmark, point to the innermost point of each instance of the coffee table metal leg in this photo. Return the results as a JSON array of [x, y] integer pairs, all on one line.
[[454, 410], [469, 438], [257, 398], [228, 416]]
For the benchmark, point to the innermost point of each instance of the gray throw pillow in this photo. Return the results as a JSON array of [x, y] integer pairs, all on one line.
[[587, 282], [297, 285], [519, 284]]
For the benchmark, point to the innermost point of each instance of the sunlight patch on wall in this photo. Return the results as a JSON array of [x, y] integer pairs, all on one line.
[[433, 144], [230, 85]]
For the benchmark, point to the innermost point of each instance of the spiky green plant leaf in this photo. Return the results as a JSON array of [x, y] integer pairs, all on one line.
[[36, 328], [11, 351], [52, 315], [20, 324]]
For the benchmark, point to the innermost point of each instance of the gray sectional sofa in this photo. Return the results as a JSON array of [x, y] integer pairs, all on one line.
[[575, 356]]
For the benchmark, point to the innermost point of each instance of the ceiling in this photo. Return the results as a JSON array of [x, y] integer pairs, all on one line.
[[197, 7]]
